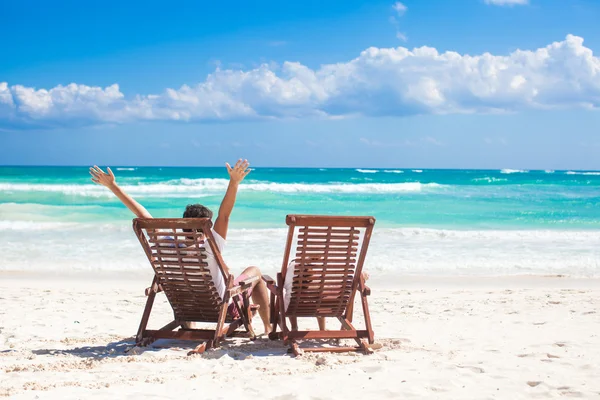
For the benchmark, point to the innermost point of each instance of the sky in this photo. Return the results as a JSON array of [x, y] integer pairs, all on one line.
[[423, 84]]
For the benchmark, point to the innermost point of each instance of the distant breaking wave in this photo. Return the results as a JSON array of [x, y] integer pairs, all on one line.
[[595, 173], [513, 171], [126, 169], [208, 187], [394, 171], [367, 171], [490, 179], [418, 171]]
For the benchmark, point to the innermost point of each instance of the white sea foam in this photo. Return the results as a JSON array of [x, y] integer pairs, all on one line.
[[126, 169], [206, 187], [402, 251], [367, 171], [394, 171], [549, 171], [513, 171], [37, 226], [597, 173], [489, 179], [417, 170]]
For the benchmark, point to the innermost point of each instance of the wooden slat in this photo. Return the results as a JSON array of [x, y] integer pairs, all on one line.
[[327, 236], [327, 334], [327, 220]]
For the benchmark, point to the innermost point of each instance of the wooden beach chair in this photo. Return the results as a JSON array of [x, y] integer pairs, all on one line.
[[329, 258], [173, 247]]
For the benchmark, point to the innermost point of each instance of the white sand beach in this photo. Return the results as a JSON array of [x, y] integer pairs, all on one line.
[[448, 338]]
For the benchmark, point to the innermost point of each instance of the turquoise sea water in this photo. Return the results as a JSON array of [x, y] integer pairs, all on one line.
[[428, 221], [456, 199]]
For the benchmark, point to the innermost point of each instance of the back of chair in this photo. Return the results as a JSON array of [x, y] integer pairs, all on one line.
[[328, 261], [176, 250]]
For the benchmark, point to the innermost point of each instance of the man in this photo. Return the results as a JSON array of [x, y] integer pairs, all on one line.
[[237, 174]]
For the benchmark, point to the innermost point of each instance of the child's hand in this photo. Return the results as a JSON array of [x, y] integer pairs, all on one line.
[[239, 171], [102, 178]]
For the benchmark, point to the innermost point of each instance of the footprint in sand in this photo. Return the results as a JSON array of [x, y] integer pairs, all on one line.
[[589, 312], [571, 393], [560, 344], [533, 383], [372, 369], [472, 368]]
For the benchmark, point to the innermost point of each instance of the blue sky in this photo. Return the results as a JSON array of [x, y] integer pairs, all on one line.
[[310, 83]]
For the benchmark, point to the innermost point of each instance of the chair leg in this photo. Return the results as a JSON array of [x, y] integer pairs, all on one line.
[[362, 343], [218, 335], [146, 315], [369, 327], [201, 348], [247, 315], [295, 348], [274, 312]]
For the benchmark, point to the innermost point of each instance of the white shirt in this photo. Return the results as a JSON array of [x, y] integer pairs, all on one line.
[[213, 267], [288, 280]]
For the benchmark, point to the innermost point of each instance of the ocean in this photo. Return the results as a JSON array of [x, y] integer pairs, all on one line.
[[429, 222]]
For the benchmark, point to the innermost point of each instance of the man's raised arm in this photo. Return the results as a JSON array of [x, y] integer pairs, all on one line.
[[108, 180], [236, 175]]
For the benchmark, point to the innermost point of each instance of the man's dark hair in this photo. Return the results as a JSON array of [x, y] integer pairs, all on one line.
[[197, 211]]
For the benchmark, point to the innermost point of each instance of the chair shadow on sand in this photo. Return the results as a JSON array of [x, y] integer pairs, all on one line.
[[239, 349]]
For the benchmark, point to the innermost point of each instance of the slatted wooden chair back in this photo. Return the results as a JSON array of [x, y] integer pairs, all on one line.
[[176, 250], [328, 257]]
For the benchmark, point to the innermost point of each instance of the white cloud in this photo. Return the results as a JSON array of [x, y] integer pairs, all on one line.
[[379, 82], [433, 141], [399, 8], [401, 36], [507, 2]]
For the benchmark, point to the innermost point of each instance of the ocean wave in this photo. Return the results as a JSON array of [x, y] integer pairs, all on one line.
[[37, 226], [513, 171], [126, 169], [394, 171], [398, 251], [207, 187], [549, 171], [489, 179], [367, 171], [593, 173], [418, 171]]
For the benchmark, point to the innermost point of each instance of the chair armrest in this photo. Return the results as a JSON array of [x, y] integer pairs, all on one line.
[[366, 290], [271, 285], [249, 281], [151, 288], [234, 291]]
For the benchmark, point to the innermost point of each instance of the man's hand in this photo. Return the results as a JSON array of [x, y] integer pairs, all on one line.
[[102, 178], [239, 171], [236, 175]]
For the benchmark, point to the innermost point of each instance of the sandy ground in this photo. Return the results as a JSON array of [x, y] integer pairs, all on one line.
[[457, 338]]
